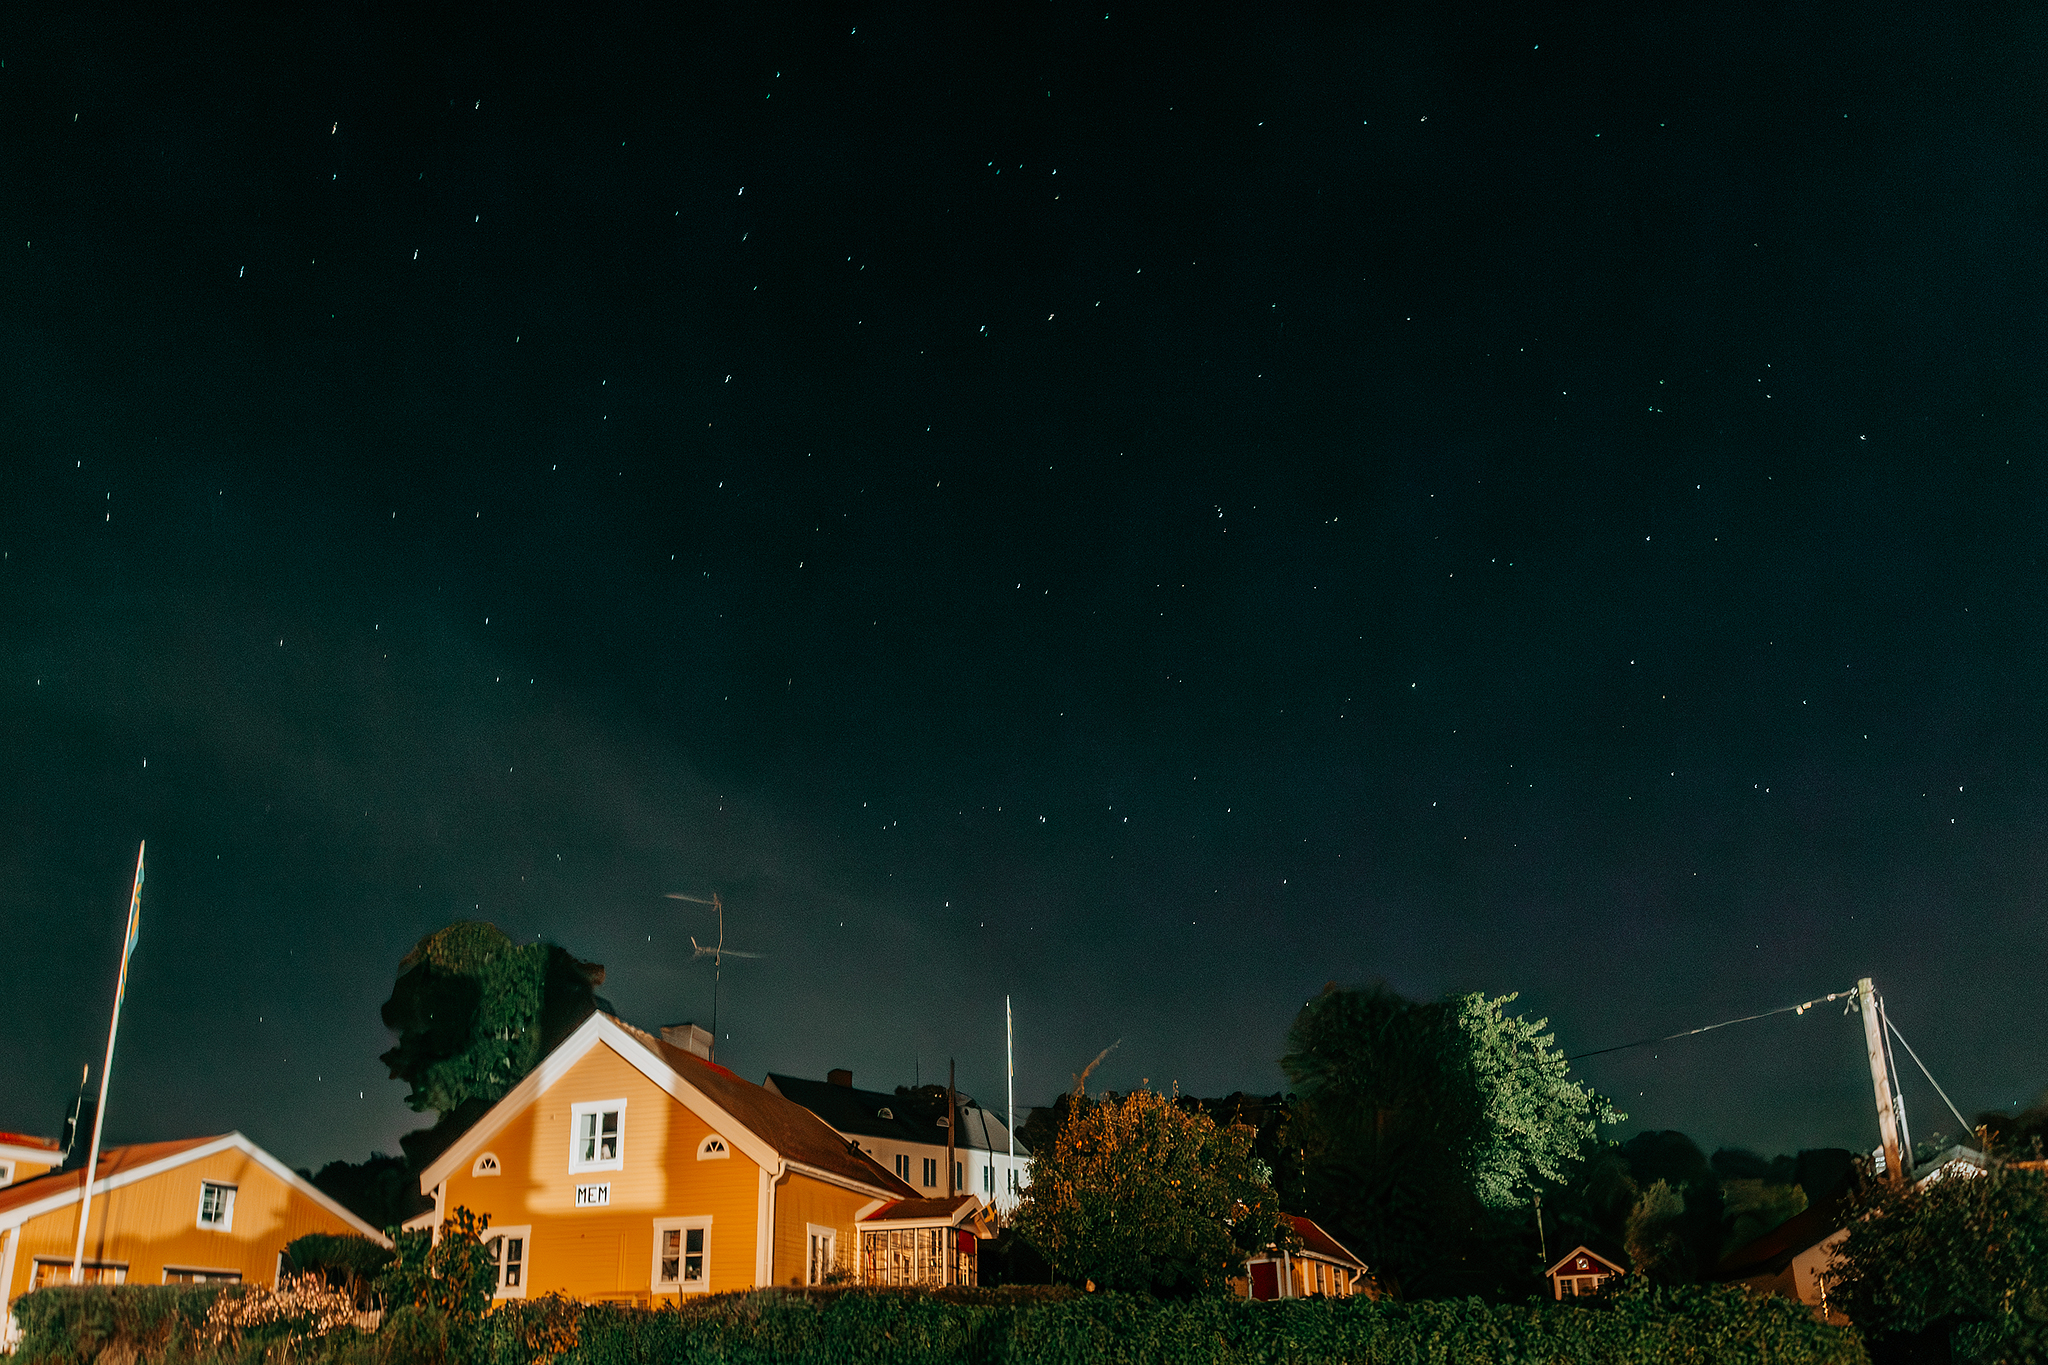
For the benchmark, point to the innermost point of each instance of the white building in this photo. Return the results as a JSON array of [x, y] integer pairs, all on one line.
[[906, 1132]]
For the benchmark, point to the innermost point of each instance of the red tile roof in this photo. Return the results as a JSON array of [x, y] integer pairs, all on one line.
[[792, 1130], [918, 1210], [23, 1140], [1316, 1242], [113, 1161]]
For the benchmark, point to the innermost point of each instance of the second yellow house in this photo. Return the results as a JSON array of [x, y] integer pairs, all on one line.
[[626, 1169]]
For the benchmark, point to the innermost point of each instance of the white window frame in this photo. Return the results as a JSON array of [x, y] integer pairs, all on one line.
[[487, 1164], [6, 1173], [227, 1219], [524, 1232], [62, 1268], [212, 1274], [903, 1167], [679, 1285], [600, 1108], [713, 1148], [930, 1171], [828, 1241]]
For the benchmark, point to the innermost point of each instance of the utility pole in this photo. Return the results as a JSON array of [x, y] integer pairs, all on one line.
[[1881, 1080]]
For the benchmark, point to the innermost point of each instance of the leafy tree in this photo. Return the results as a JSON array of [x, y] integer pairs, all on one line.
[[1657, 1245], [436, 1290], [474, 1012], [1965, 1250], [1424, 1128], [344, 1261], [1145, 1195], [381, 1191], [1751, 1208]]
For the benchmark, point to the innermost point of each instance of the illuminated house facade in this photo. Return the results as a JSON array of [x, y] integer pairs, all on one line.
[[628, 1169]]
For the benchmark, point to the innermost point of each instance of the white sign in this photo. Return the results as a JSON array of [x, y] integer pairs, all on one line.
[[593, 1196]]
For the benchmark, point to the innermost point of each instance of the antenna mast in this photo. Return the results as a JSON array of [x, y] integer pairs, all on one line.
[[717, 952]]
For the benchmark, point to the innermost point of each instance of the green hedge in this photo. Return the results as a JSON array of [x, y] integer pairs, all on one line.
[[1718, 1326], [1721, 1326]]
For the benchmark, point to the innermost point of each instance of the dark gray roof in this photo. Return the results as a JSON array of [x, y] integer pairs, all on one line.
[[910, 1118]]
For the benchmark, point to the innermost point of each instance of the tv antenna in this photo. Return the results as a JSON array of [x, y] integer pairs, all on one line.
[[717, 952]]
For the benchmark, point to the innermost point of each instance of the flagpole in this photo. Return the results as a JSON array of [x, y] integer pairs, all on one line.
[[99, 1115]]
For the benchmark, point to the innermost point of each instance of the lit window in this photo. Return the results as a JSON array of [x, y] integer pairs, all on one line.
[[597, 1138], [682, 1255], [824, 1253], [511, 1252], [216, 1206]]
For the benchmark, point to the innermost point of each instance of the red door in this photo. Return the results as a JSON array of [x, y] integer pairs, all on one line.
[[1265, 1280]]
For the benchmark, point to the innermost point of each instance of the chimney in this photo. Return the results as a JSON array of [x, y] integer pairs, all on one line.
[[840, 1076], [689, 1038]]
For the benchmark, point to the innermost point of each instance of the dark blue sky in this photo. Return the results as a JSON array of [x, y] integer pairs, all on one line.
[[1149, 511]]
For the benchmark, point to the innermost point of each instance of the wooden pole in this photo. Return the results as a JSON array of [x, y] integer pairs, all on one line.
[[1880, 1081]]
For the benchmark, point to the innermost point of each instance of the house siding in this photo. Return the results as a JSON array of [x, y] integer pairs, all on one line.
[[800, 1201], [609, 1252], [155, 1223]]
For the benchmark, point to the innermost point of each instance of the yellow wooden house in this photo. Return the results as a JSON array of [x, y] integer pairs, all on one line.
[[626, 1169], [201, 1210]]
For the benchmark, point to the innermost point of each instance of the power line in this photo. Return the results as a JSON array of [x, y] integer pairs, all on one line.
[[1800, 1008]]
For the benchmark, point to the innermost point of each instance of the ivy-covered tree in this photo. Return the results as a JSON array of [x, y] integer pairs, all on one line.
[[1425, 1127], [474, 1012], [1142, 1194]]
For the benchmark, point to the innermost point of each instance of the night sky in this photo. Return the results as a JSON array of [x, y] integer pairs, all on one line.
[[1147, 511]]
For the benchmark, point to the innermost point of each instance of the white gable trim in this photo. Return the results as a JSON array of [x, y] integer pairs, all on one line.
[[60, 1198], [598, 1028], [33, 1156]]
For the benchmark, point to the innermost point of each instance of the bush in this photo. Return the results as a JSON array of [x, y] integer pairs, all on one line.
[[1724, 1325]]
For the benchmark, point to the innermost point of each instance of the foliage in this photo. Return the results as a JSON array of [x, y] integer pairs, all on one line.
[[67, 1325], [301, 1305], [1685, 1326], [1656, 1244], [1142, 1194], [1968, 1248], [381, 1191], [345, 1262], [1424, 1128], [474, 1012], [452, 1277], [1751, 1208]]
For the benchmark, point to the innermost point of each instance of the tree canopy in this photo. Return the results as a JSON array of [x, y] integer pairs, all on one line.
[[474, 1012], [1144, 1194], [1419, 1123], [1970, 1251]]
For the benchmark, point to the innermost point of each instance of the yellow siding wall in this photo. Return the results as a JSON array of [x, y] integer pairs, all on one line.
[[609, 1252], [155, 1222], [801, 1201], [29, 1170]]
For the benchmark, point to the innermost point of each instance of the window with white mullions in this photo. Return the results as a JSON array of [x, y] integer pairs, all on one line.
[[511, 1253], [682, 1255], [597, 1135], [216, 1206]]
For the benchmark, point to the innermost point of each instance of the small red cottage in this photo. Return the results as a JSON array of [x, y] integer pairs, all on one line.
[[1321, 1266], [1580, 1273]]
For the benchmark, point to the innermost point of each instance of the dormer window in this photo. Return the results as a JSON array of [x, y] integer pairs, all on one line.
[[487, 1164], [597, 1135], [712, 1149]]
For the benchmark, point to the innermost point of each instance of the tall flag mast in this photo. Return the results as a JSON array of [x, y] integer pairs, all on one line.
[[99, 1117]]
